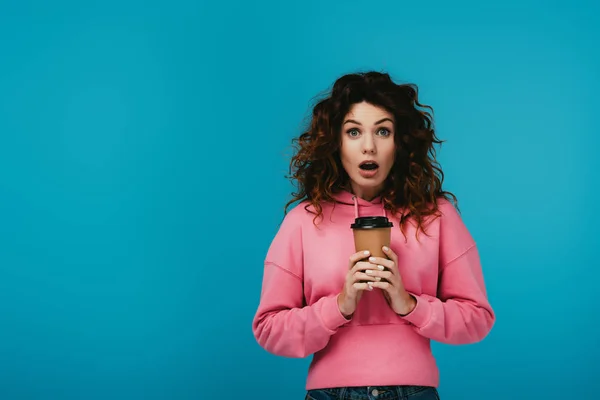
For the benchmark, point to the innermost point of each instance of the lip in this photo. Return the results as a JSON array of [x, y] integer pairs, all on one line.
[[369, 161], [368, 174]]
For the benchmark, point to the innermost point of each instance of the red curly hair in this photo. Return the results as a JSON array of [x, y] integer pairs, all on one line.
[[415, 180]]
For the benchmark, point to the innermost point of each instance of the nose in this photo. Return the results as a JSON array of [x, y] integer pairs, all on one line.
[[369, 145]]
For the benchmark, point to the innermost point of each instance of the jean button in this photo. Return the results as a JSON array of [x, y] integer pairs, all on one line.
[[375, 392]]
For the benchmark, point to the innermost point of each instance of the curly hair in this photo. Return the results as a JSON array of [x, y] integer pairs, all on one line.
[[415, 180]]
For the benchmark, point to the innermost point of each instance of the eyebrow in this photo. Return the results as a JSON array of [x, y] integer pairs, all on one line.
[[376, 123]]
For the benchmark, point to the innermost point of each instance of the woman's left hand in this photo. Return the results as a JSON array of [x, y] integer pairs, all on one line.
[[391, 284]]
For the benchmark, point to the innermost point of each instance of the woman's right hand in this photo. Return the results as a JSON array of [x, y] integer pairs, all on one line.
[[357, 280]]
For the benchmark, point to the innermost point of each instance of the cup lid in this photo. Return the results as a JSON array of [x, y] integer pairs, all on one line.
[[371, 223]]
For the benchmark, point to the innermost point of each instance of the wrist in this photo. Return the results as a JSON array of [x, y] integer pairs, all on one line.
[[341, 302], [408, 305]]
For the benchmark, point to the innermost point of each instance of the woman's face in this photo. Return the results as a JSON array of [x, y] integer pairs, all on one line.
[[367, 148]]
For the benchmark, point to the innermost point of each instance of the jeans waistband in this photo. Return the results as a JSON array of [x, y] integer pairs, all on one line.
[[374, 392]]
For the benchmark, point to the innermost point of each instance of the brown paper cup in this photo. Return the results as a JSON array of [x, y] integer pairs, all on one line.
[[372, 240], [372, 233]]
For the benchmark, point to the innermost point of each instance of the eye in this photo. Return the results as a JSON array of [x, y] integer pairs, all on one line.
[[353, 132], [384, 132]]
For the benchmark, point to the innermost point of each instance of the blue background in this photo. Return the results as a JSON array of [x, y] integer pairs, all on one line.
[[143, 148]]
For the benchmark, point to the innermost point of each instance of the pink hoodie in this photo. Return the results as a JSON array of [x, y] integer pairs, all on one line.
[[304, 272]]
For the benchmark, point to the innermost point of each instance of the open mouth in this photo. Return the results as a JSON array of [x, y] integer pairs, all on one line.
[[368, 165]]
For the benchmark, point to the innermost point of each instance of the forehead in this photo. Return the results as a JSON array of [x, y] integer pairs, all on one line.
[[366, 113]]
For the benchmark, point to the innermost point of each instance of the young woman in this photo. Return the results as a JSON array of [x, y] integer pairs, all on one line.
[[368, 321]]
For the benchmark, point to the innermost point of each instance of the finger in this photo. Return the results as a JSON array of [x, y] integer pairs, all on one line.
[[382, 285], [390, 253], [365, 265], [379, 274], [357, 257], [382, 261], [363, 286], [361, 276]]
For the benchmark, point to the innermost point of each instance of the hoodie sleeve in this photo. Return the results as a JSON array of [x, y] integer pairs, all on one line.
[[284, 324], [461, 312]]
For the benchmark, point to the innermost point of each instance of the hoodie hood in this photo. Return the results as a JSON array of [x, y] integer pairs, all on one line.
[[359, 204]]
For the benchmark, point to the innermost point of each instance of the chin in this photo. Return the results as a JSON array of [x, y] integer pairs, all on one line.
[[369, 183]]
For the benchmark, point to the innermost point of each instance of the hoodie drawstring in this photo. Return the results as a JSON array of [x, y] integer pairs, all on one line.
[[356, 207]]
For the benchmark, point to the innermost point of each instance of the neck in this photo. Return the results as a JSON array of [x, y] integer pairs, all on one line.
[[367, 194]]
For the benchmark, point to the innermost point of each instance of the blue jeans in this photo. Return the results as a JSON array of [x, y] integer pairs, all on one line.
[[375, 393]]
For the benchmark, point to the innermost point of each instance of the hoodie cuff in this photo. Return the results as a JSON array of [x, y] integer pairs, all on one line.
[[331, 315], [421, 314]]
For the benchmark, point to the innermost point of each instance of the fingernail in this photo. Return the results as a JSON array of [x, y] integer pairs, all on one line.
[[380, 267], [371, 258], [377, 278], [366, 252], [385, 248], [370, 286], [368, 272]]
